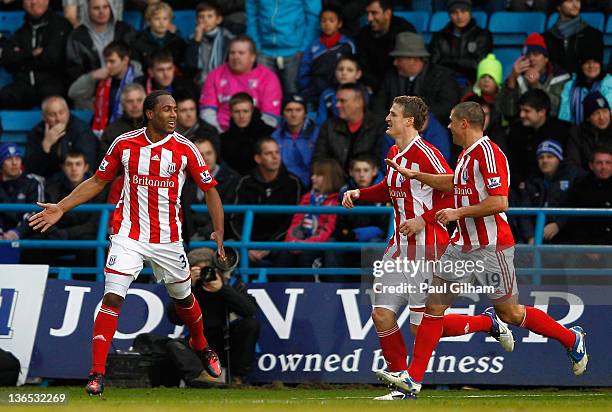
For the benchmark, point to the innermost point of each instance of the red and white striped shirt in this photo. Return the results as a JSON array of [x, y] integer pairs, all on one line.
[[412, 198], [482, 171], [150, 207]]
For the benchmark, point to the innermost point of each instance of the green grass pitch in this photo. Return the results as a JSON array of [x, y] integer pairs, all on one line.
[[254, 399]]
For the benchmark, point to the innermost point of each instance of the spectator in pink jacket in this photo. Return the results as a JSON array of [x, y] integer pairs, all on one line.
[[327, 179], [240, 74]]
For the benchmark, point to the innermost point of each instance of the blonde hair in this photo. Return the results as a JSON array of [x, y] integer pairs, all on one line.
[[333, 175], [153, 9]]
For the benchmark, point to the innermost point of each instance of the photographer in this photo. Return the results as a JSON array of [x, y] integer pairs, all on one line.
[[224, 301]]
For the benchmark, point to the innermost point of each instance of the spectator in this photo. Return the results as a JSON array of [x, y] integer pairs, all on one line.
[[55, 136], [352, 13], [347, 71], [489, 77], [200, 225], [161, 74], [77, 11], [35, 56], [318, 64], [189, 124], [104, 96], [354, 130], [246, 128], [296, 138], [529, 5], [157, 35], [549, 187], [590, 77], [73, 226], [282, 31], [132, 117], [208, 48], [16, 187], [570, 35], [532, 70], [240, 74], [594, 131], [535, 125], [415, 75], [377, 39], [86, 43], [268, 184], [461, 44], [327, 178]]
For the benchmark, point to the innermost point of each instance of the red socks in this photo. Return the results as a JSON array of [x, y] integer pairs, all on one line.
[[192, 317], [393, 348], [430, 332], [105, 326], [539, 322], [457, 325]]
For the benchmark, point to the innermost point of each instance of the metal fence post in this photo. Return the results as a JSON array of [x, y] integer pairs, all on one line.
[[246, 237], [538, 240], [100, 252]]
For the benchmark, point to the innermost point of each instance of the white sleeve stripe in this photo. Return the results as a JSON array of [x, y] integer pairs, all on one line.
[[193, 148], [489, 157], [122, 137], [431, 156]]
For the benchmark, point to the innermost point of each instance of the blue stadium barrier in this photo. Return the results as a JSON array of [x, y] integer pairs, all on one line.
[[511, 28], [101, 243], [441, 18], [10, 21], [133, 18], [17, 124], [419, 19], [594, 19], [185, 21], [608, 32], [507, 56]]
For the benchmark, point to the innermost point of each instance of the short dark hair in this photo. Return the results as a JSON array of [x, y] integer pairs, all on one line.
[[331, 8], [536, 98], [160, 56], [241, 97], [351, 58], [151, 100], [356, 87], [246, 39], [204, 139], [415, 107], [605, 149], [75, 154], [257, 146], [384, 4], [363, 157], [116, 46], [182, 95], [472, 112], [208, 5]]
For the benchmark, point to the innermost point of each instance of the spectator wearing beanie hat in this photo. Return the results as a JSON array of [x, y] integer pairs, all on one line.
[[594, 131], [489, 77], [548, 188], [570, 35], [461, 44], [591, 77], [532, 70]]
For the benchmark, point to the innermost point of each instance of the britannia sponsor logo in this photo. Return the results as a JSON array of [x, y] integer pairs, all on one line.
[[397, 193], [152, 181], [463, 190]]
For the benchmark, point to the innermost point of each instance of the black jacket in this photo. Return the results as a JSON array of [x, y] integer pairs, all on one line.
[[82, 57], [181, 84], [50, 32], [252, 190], [523, 142], [78, 138], [461, 54], [203, 129], [237, 144], [565, 52], [145, 45], [373, 52], [436, 85], [122, 125], [24, 189], [583, 140], [335, 140]]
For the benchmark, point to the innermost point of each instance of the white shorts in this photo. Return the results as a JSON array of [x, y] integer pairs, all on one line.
[[487, 267], [399, 288], [126, 258]]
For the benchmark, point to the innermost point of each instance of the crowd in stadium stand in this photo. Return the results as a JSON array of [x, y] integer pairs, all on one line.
[[288, 106]]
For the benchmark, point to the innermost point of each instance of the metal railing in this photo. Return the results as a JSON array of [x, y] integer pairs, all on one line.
[[245, 243]]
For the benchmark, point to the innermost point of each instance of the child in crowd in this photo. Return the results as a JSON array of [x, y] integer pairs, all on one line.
[[489, 77], [327, 178], [157, 35], [319, 61], [208, 47], [347, 71]]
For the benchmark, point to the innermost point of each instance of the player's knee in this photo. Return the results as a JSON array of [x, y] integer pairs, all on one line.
[[382, 316], [113, 300], [413, 329], [185, 302], [512, 315]]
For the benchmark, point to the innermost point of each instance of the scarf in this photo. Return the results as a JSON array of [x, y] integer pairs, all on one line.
[[568, 28], [330, 41], [577, 95], [310, 223], [101, 115], [210, 51]]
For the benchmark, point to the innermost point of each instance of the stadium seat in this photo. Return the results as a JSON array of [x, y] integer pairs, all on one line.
[[17, 124], [184, 20], [440, 18], [507, 56], [594, 19], [133, 18], [419, 19], [511, 28], [608, 33], [5, 77], [10, 21]]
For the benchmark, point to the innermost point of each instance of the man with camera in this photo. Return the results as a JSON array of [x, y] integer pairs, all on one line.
[[229, 313]]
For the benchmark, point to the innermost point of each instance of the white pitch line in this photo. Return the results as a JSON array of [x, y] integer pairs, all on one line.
[[533, 395]]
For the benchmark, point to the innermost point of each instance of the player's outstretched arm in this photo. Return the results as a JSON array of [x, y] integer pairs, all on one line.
[[488, 207], [53, 212], [443, 183], [215, 209]]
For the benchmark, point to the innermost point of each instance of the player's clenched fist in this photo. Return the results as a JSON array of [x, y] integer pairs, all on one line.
[[349, 196], [445, 216]]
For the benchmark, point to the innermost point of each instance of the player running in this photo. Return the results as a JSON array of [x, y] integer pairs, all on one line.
[[147, 224], [418, 237], [480, 185]]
